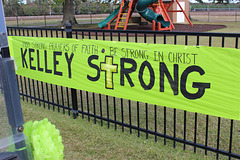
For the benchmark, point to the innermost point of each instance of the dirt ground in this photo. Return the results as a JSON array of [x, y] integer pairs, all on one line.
[[181, 27]]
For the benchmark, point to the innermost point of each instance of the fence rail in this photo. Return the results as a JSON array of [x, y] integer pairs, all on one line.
[[212, 15], [52, 20], [214, 136]]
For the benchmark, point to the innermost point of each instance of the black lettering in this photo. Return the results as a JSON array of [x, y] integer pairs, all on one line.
[[24, 62], [31, 59], [95, 67], [127, 71], [173, 83], [38, 62], [55, 62], [69, 61], [46, 69], [194, 58], [201, 86], [179, 57], [152, 75], [189, 59]]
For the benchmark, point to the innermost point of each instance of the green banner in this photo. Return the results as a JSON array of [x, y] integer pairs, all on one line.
[[192, 78]]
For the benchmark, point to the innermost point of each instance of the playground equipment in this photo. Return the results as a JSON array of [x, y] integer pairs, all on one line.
[[158, 16], [13, 143]]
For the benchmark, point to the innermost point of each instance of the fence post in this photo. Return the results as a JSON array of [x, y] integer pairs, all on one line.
[[45, 20], [91, 17], [236, 14], [68, 31], [208, 13], [17, 20]]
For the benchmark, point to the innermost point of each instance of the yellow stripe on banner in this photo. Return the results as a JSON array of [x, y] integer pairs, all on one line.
[[196, 79]]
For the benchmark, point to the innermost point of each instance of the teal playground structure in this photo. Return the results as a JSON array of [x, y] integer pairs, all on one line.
[[158, 15]]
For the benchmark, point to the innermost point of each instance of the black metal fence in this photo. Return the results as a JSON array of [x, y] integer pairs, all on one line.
[[214, 136]]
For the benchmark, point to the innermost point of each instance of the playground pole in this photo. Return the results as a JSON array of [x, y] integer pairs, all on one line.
[[3, 34], [10, 90]]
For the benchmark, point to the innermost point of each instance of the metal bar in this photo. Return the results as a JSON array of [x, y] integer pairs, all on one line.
[[25, 84], [94, 107], [223, 41], [51, 86], [206, 138], [197, 40], [29, 87], [62, 99], [56, 87], [107, 109], [47, 95], [68, 30], [122, 114], [184, 129], [186, 39], [146, 112], [38, 92], [130, 114], [34, 92], [21, 86], [115, 113], [174, 127], [218, 135], [88, 105], [236, 45], [231, 137], [207, 34], [138, 121], [210, 41], [76, 34], [43, 95], [82, 35], [154, 39], [195, 132], [175, 39], [155, 122], [81, 102], [164, 121], [89, 35], [68, 101], [100, 103]]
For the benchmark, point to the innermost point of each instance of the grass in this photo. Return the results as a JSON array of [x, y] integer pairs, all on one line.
[[74, 127], [84, 140], [52, 22], [231, 27], [5, 127]]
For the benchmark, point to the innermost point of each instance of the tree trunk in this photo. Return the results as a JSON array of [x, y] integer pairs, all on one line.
[[68, 13]]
